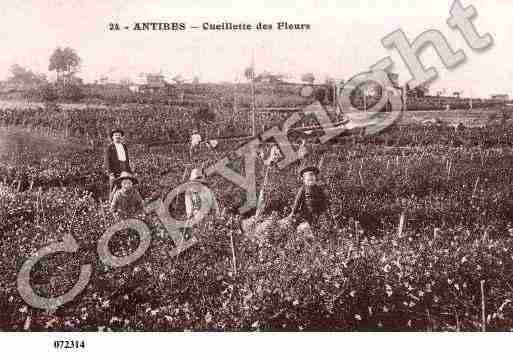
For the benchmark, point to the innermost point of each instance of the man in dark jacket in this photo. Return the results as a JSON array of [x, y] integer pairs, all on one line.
[[116, 159]]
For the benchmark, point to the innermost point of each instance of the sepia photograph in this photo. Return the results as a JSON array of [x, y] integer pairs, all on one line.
[[281, 166]]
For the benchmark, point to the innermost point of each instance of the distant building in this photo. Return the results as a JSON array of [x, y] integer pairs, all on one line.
[[105, 89], [134, 87], [266, 77], [154, 83], [500, 97], [155, 80]]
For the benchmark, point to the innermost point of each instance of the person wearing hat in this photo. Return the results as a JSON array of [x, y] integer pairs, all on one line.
[[116, 159], [195, 142], [311, 200], [126, 200], [194, 196]]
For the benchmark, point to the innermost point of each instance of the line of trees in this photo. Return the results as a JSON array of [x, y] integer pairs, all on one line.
[[68, 86]]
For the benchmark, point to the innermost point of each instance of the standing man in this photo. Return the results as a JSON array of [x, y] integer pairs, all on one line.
[[116, 158], [195, 142]]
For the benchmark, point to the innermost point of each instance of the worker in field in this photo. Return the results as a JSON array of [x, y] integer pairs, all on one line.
[[195, 195], [303, 149], [126, 199], [269, 157], [311, 201], [195, 142], [116, 158]]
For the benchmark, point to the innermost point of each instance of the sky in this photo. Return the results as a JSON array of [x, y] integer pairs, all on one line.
[[344, 39]]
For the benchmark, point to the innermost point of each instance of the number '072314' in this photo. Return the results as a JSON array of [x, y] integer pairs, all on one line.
[[68, 344]]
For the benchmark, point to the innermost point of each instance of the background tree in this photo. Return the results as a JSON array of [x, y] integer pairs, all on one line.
[[308, 77], [65, 62], [21, 76]]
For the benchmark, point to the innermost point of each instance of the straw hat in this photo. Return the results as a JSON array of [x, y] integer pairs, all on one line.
[[197, 176], [123, 176]]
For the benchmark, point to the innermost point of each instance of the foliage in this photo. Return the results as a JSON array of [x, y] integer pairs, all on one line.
[[356, 275], [64, 61], [308, 77], [48, 92], [25, 77], [71, 91]]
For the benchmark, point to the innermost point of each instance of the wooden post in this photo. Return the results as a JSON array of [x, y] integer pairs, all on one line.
[[253, 124], [184, 174], [361, 178], [483, 308], [357, 235], [321, 162], [234, 259], [400, 228], [475, 188], [38, 216], [102, 211], [261, 197]]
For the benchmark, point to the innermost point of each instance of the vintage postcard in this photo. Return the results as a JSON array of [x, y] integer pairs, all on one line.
[[275, 166]]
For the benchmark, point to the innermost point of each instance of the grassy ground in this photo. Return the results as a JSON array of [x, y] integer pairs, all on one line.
[[357, 275]]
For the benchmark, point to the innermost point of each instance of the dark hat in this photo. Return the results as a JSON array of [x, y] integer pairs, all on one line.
[[116, 130], [123, 176], [308, 169]]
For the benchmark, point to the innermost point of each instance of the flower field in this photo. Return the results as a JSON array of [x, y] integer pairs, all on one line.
[[448, 269]]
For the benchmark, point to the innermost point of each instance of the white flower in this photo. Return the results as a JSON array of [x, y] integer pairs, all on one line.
[[28, 320], [50, 323], [389, 290]]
